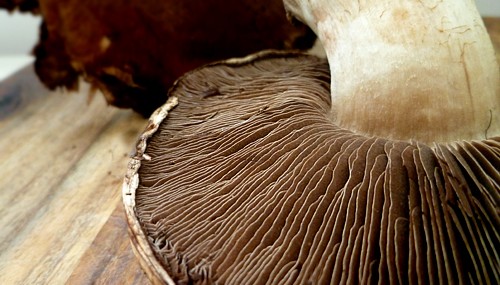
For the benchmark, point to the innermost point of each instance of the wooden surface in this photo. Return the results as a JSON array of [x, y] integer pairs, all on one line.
[[62, 165], [62, 161]]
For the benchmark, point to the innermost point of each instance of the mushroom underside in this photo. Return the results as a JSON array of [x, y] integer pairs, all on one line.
[[250, 182]]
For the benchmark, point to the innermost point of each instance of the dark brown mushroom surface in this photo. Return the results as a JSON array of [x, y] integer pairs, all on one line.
[[133, 51], [248, 181]]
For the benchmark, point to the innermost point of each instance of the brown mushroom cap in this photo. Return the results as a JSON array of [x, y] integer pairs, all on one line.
[[248, 181], [133, 51]]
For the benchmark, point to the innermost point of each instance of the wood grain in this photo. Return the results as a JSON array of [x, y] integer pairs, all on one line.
[[62, 166], [110, 260], [62, 161]]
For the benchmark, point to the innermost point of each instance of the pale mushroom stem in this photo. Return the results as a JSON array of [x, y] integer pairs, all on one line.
[[408, 70]]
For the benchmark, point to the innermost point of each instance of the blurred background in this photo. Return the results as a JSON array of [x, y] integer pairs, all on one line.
[[19, 33]]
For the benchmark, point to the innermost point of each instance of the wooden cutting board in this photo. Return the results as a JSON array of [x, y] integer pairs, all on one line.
[[62, 161]]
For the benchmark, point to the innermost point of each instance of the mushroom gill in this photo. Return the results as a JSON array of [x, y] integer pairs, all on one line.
[[249, 181]]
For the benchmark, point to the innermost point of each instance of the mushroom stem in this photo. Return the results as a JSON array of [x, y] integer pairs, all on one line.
[[408, 70]]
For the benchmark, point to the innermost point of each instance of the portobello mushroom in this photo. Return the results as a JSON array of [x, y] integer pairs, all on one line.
[[378, 164]]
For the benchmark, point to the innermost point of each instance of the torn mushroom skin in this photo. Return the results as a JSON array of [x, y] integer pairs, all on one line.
[[423, 70], [133, 51], [265, 173]]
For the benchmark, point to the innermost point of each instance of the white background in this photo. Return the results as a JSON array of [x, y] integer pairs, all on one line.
[[19, 33]]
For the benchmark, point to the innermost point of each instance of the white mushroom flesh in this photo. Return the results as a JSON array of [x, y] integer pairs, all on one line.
[[408, 70]]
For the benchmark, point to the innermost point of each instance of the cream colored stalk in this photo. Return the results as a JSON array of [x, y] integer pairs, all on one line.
[[407, 69]]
